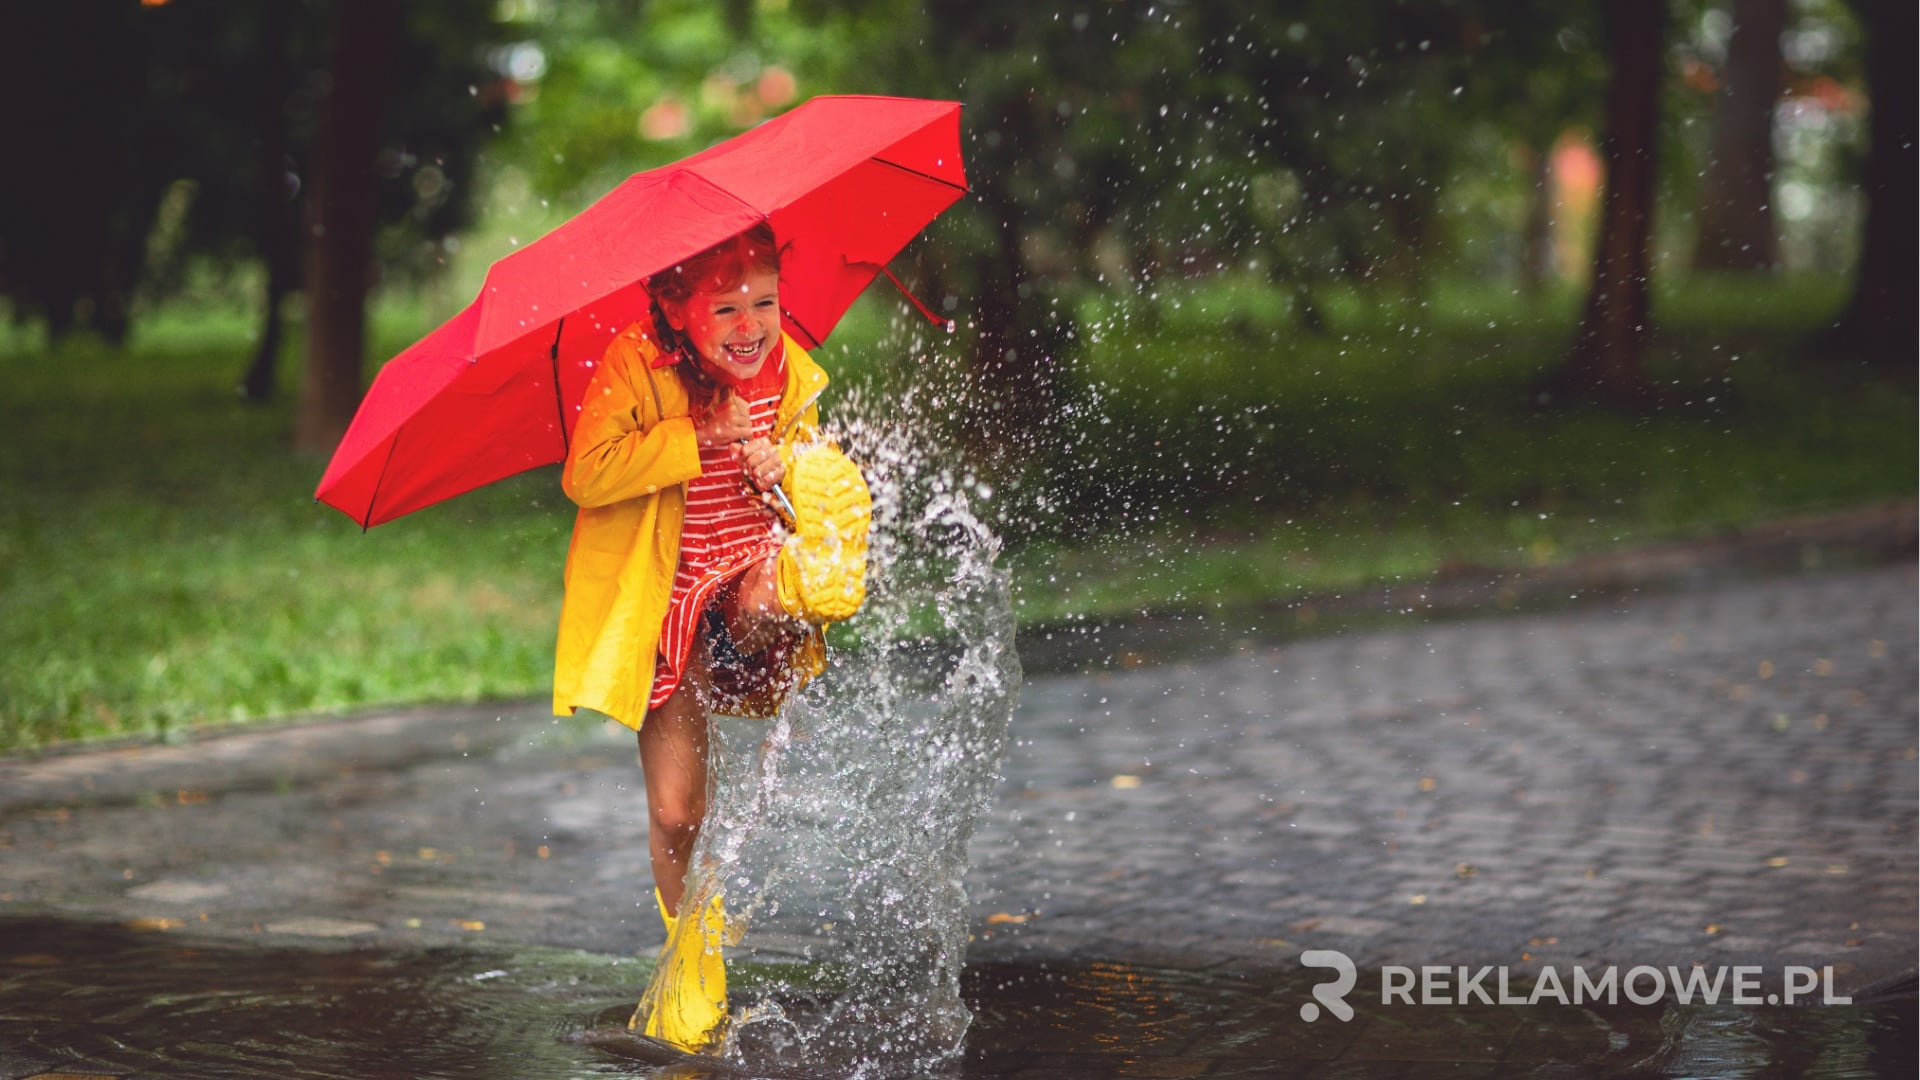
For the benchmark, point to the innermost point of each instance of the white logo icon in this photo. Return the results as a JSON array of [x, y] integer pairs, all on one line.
[[1329, 994]]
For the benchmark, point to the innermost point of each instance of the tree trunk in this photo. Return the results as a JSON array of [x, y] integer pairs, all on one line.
[[341, 221], [1879, 321], [1018, 355], [1736, 202], [1020, 350], [262, 378], [276, 220], [1605, 363], [1536, 233]]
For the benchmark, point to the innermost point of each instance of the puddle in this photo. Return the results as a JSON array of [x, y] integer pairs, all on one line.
[[106, 1000], [93, 998]]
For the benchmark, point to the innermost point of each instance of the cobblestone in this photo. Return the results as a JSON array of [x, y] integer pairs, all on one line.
[[1636, 780]]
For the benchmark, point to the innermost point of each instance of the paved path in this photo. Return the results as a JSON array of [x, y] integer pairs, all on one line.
[[1723, 776]]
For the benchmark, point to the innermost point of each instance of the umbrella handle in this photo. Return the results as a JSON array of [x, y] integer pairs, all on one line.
[[776, 497], [786, 505], [780, 436]]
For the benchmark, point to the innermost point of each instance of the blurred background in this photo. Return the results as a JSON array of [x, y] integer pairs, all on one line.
[[1251, 302]]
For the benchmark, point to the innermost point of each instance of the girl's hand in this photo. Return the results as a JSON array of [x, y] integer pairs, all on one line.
[[726, 422], [760, 460]]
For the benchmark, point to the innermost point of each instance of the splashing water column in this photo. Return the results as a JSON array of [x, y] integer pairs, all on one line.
[[838, 830]]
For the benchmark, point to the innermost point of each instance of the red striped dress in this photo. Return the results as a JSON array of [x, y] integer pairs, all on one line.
[[727, 530]]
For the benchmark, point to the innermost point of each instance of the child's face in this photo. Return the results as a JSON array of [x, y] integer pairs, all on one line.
[[733, 329]]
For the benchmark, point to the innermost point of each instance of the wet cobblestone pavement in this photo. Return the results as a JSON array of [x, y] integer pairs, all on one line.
[[1725, 776], [1716, 777]]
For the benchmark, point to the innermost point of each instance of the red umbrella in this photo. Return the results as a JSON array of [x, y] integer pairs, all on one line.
[[845, 182]]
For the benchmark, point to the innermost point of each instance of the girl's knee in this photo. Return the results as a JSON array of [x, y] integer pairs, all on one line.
[[677, 821]]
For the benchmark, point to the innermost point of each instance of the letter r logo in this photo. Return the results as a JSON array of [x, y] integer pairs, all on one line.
[[1329, 994]]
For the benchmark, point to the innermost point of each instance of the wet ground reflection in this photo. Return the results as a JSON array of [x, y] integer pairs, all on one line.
[[1105, 1020], [106, 1000]]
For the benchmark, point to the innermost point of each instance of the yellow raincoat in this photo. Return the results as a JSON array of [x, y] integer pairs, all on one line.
[[633, 452]]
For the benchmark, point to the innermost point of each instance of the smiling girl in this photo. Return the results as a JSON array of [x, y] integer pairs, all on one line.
[[687, 593]]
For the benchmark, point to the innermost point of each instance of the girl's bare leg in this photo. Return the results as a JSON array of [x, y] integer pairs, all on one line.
[[673, 740], [754, 616], [673, 757]]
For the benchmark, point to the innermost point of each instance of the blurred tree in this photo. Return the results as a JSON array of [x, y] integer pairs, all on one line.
[[410, 93], [1113, 145], [1736, 219], [208, 109], [408, 96], [341, 219], [236, 78], [262, 80], [1879, 322], [276, 232], [84, 181], [1538, 73], [1606, 362]]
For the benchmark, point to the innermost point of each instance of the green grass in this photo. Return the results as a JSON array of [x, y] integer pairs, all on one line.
[[162, 564], [1237, 459]]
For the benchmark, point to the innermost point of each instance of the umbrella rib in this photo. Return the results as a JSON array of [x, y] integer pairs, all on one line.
[[559, 403], [803, 328], [367, 522], [961, 188]]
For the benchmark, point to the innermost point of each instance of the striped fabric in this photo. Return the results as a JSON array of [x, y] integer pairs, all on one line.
[[728, 529]]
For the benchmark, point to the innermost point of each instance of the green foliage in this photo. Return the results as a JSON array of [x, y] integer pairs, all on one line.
[[705, 70], [185, 133], [1312, 142]]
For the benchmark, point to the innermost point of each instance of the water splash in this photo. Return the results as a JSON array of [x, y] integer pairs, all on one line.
[[838, 831]]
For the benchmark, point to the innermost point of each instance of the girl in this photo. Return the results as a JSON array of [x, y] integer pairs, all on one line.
[[686, 592]]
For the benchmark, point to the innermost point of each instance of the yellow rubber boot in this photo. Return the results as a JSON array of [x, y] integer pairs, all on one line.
[[822, 571], [686, 1002]]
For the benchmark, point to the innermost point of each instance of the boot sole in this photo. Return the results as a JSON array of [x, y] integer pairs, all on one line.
[[832, 509]]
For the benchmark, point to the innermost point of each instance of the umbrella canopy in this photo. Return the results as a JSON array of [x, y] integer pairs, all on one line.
[[845, 183]]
